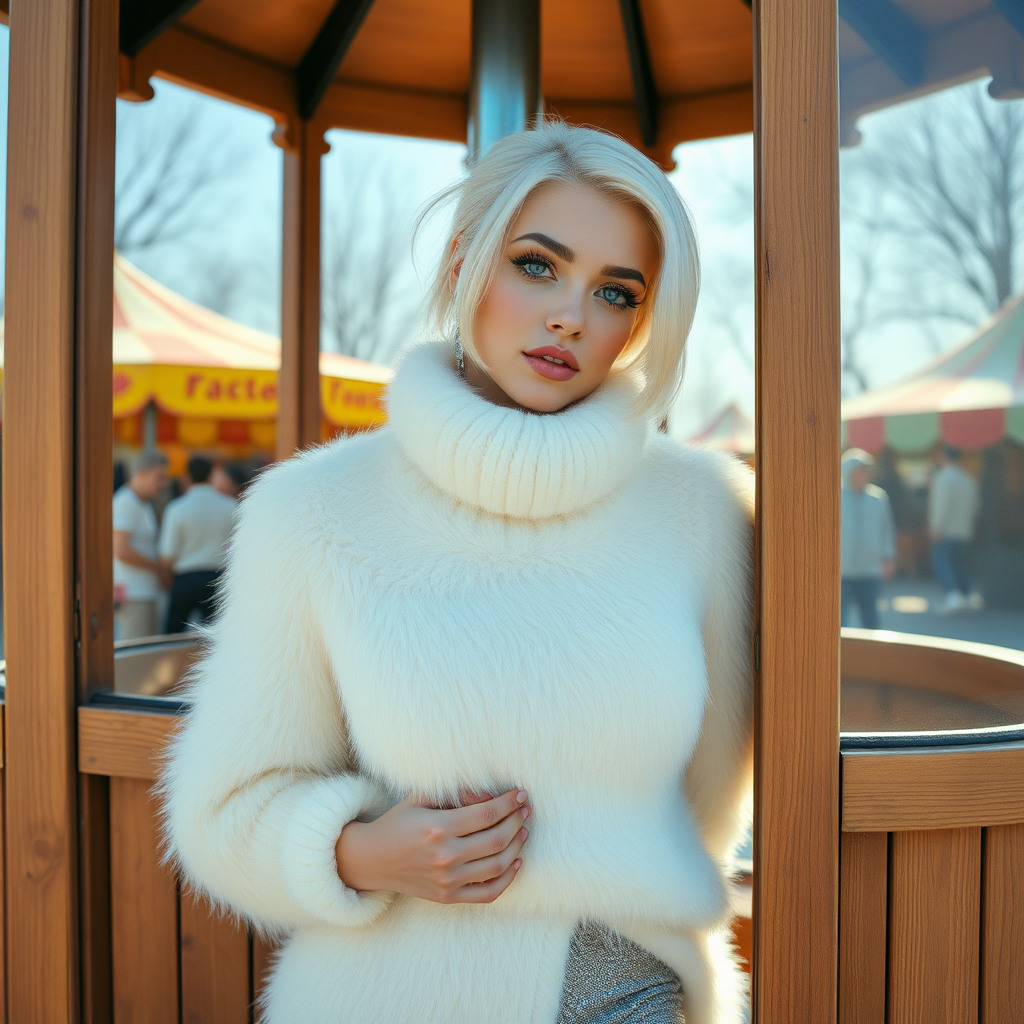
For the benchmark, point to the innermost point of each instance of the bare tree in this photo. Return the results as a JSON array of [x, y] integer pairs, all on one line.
[[369, 295], [934, 216], [173, 174]]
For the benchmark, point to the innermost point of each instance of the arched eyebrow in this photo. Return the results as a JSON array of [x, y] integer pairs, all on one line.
[[563, 252], [628, 273]]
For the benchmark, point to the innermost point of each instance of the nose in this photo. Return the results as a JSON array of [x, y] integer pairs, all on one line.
[[567, 320]]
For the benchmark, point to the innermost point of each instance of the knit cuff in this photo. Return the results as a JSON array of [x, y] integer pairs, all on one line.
[[310, 867]]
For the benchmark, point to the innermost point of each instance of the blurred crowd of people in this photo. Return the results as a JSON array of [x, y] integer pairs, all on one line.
[[869, 535], [167, 568]]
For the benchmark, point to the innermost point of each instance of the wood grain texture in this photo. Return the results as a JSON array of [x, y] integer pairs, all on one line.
[[199, 63], [298, 417], [796, 821], [941, 787], [215, 966], [934, 921], [263, 953], [42, 868], [125, 744], [863, 908], [1002, 933], [932, 662], [144, 911], [3, 908], [94, 584]]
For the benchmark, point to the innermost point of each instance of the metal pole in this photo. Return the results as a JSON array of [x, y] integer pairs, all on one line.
[[504, 91]]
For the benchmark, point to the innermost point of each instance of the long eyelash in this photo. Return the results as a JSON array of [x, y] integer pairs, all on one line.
[[531, 257], [631, 297]]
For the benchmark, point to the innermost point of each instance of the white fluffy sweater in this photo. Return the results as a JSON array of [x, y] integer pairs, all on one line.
[[475, 598]]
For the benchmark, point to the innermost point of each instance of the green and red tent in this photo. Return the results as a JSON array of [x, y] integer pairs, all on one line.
[[971, 397]]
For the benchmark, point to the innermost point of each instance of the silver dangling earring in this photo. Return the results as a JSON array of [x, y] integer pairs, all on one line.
[[460, 356]]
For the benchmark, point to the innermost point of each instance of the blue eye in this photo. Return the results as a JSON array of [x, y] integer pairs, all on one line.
[[618, 296], [533, 266]]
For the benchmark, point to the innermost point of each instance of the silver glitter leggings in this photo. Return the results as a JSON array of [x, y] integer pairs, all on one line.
[[611, 980]]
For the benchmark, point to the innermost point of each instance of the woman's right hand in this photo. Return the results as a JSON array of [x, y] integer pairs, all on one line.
[[464, 855]]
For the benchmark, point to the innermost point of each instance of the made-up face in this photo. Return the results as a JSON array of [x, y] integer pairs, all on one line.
[[564, 299]]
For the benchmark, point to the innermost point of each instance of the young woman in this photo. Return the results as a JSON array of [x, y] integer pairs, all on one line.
[[473, 728]]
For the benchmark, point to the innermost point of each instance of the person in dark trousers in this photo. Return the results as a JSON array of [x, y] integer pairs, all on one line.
[[868, 540], [194, 545]]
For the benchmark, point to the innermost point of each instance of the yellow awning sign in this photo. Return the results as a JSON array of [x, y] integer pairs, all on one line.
[[222, 393]]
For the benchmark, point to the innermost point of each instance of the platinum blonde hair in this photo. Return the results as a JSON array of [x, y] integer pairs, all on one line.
[[489, 199]]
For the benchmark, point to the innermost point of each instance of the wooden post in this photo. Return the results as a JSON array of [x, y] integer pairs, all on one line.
[[796, 837], [298, 417], [38, 466], [94, 582]]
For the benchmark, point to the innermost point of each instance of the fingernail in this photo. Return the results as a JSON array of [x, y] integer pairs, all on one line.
[[525, 812], [517, 864], [521, 796], [523, 833]]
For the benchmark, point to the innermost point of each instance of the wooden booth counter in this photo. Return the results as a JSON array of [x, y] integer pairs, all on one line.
[[932, 848]]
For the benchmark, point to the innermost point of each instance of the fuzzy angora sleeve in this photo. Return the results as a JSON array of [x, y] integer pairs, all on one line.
[[719, 778], [259, 783]]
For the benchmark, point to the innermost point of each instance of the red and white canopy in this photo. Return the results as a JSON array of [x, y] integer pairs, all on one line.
[[971, 397]]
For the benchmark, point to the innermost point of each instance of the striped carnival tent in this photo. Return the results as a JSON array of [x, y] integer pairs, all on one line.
[[732, 430], [971, 397], [213, 382]]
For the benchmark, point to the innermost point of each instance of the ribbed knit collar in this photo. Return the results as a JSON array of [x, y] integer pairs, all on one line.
[[507, 461]]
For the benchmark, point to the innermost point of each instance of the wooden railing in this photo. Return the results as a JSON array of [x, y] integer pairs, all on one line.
[[931, 919], [173, 959]]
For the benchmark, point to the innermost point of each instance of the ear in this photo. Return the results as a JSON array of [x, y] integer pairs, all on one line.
[[457, 268]]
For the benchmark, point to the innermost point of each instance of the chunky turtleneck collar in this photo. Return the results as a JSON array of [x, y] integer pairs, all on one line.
[[507, 461]]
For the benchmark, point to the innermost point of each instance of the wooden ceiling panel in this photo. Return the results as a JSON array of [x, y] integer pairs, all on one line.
[[412, 44], [583, 51], [272, 30], [699, 46]]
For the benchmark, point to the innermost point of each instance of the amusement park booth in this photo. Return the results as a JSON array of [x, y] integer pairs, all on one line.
[[188, 379], [889, 796]]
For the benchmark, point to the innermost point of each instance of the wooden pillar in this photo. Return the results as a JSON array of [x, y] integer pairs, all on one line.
[[298, 417], [796, 851], [94, 484], [38, 466]]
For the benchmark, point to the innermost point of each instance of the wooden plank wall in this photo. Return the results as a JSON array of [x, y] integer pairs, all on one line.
[[174, 959], [931, 926]]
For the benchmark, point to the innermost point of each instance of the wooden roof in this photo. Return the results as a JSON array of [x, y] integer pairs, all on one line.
[[405, 64], [407, 69]]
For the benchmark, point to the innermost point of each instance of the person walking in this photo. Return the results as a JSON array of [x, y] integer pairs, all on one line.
[[138, 575], [868, 539], [194, 544], [952, 512]]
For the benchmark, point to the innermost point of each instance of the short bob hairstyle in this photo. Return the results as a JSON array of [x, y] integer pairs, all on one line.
[[489, 199]]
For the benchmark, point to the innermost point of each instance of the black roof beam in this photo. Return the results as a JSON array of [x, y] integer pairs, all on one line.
[[321, 61], [1013, 12], [643, 73], [896, 39], [141, 21]]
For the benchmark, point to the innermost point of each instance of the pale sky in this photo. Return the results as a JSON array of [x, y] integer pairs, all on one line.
[[373, 188]]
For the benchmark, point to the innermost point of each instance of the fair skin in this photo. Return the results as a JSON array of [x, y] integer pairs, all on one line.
[[569, 285], [147, 484]]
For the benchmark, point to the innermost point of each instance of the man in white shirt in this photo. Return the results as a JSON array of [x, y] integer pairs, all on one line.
[[194, 546], [138, 574], [952, 511]]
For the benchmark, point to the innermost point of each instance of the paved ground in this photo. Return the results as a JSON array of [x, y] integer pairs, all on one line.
[[908, 607]]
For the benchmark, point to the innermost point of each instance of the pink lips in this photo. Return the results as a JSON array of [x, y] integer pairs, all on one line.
[[564, 370]]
